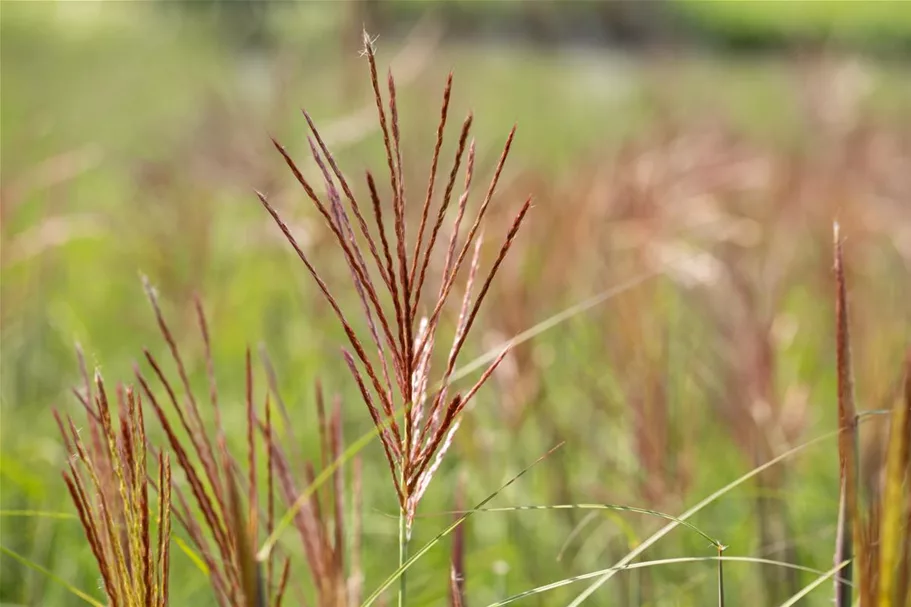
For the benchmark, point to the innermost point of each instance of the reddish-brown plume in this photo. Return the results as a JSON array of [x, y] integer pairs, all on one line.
[[391, 362], [109, 481], [226, 489]]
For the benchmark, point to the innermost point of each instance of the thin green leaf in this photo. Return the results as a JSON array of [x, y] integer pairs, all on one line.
[[814, 584], [895, 498], [644, 564], [609, 573], [195, 558], [263, 554], [33, 565], [582, 524], [37, 514], [552, 321], [613, 507]]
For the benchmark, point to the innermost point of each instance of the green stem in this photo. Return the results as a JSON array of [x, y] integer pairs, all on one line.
[[403, 514], [403, 553], [720, 579]]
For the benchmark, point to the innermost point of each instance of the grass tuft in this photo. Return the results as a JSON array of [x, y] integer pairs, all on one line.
[[109, 483]]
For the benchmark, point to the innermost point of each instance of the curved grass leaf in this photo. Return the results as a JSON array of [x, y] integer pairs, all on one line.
[[815, 584], [37, 514], [609, 573], [655, 563], [327, 473], [191, 554], [553, 321], [33, 565], [612, 507]]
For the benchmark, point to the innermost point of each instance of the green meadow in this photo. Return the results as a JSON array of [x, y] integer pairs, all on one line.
[[669, 300]]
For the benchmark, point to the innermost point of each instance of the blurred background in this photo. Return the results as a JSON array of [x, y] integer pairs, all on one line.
[[687, 157]]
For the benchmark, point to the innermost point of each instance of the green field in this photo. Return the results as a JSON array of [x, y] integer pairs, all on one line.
[[695, 194]]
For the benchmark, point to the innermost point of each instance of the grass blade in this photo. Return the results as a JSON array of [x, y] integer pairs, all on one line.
[[32, 565], [37, 514], [609, 573], [552, 321], [814, 584], [893, 582], [191, 554], [613, 507], [843, 551], [647, 564], [326, 474]]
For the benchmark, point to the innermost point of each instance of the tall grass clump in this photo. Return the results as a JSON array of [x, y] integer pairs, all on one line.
[[874, 530], [230, 512], [109, 483], [220, 505], [213, 476], [414, 418]]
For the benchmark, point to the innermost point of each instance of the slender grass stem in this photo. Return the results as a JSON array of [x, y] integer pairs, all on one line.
[[720, 578], [403, 553]]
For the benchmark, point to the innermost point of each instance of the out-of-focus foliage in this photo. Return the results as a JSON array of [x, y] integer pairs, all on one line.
[[872, 24]]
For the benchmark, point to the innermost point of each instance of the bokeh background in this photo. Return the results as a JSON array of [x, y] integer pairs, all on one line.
[[686, 158]]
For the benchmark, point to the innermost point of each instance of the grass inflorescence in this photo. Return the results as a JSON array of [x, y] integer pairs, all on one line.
[[404, 340]]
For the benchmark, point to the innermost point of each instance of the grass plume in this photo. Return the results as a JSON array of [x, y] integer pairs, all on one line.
[[225, 527], [110, 483], [872, 539], [402, 338]]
